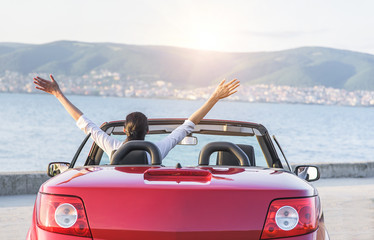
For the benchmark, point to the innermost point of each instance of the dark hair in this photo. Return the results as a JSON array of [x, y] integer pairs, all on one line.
[[136, 126]]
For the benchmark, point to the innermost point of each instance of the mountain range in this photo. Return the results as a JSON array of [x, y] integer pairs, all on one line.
[[300, 67]]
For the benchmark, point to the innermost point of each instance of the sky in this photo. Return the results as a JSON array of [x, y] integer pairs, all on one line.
[[219, 25]]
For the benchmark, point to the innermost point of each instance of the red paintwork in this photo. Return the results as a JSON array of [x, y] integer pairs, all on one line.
[[121, 203]]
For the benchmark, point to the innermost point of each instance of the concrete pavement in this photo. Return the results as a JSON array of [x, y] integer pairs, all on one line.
[[15, 216], [348, 206]]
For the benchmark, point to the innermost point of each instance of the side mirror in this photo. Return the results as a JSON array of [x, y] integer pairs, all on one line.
[[188, 140], [55, 168], [308, 172]]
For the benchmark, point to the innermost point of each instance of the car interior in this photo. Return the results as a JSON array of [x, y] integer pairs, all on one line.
[[209, 144]]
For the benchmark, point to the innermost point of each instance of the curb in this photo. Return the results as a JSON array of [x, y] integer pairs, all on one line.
[[347, 170], [344, 170], [17, 183]]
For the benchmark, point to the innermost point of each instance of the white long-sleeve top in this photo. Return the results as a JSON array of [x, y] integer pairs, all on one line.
[[108, 143]]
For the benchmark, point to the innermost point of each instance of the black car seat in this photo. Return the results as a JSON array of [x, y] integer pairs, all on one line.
[[228, 159]]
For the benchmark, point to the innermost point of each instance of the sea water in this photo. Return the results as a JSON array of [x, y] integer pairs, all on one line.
[[35, 129]]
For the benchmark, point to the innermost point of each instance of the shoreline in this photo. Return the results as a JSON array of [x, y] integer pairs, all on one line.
[[203, 99]]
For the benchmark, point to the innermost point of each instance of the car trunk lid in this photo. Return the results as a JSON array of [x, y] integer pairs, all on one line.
[[173, 203]]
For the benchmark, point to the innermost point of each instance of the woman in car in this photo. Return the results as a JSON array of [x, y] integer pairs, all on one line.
[[136, 125]]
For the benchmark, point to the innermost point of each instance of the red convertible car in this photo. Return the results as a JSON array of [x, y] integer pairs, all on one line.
[[226, 180]]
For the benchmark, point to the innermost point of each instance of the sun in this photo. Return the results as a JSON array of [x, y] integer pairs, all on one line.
[[206, 41]]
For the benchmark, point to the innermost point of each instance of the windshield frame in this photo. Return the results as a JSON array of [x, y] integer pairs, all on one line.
[[206, 126]]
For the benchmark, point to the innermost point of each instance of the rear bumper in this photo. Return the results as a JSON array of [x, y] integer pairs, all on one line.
[[40, 234], [36, 233], [320, 234]]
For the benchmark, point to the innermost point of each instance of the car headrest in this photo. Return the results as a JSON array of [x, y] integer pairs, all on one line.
[[228, 159], [136, 157], [232, 148], [124, 154]]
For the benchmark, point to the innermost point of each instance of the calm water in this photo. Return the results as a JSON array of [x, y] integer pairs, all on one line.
[[35, 129]]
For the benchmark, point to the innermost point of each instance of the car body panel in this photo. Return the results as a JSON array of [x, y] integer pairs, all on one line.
[[119, 200]]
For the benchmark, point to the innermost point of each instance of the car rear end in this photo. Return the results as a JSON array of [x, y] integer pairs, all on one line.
[[177, 203]]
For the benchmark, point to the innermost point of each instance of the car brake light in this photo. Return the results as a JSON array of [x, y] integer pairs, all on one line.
[[178, 175], [291, 217], [62, 214]]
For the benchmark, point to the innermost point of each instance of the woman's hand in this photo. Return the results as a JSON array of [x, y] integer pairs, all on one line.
[[50, 87], [224, 90]]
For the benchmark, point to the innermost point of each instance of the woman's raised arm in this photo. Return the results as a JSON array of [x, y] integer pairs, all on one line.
[[222, 91], [52, 87]]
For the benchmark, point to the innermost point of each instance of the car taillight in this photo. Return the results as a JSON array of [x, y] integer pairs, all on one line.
[[62, 214], [291, 217]]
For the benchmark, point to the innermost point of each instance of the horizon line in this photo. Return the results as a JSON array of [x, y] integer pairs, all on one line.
[[182, 47]]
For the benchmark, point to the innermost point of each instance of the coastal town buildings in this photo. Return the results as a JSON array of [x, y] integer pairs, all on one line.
[[106, 83]]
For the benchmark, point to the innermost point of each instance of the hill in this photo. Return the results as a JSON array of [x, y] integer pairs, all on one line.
[[301, 67]]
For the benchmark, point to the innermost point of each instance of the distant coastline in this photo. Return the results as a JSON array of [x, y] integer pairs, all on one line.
[[109, 84]]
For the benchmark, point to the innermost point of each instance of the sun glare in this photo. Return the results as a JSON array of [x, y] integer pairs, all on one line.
[[206, 41]]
